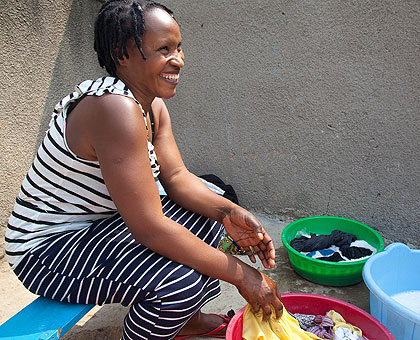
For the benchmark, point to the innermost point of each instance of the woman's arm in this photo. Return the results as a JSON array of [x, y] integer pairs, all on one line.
[[191, 193], [113, 132], [181, 185]]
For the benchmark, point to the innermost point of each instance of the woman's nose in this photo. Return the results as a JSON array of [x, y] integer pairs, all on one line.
[[177, 59]]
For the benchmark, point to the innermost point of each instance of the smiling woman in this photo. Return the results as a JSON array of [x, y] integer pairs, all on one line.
[[109, 213], [161, 61], [151, 55]]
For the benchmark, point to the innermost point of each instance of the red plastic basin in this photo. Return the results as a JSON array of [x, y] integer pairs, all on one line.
[[318, 304]]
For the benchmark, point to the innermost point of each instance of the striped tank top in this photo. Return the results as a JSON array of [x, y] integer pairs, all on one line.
[[61, 191]]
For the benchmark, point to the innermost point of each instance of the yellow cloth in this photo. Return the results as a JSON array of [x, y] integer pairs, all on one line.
[[285, 328], [340, 322]]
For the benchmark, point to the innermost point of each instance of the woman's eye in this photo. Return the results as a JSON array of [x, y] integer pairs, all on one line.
[[164, 49]]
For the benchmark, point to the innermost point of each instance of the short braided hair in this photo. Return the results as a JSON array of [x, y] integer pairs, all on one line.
[[116, 23]]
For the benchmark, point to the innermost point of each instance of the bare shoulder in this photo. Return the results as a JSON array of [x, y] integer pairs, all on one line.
[[159, 107], [111, 104], [115, 110], [95, 120], [160, 114]]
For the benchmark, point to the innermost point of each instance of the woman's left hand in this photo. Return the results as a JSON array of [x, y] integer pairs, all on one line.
[[245, 229]]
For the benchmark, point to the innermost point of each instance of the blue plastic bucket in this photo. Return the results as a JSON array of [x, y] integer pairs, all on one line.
[[393, 271]]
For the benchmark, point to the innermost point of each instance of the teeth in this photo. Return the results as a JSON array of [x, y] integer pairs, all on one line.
[[170, 77]]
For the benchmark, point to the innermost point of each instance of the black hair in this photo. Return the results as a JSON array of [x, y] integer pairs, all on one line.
[[116, 23]]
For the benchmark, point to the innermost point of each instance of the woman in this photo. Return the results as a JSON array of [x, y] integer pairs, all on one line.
[[90, 225]]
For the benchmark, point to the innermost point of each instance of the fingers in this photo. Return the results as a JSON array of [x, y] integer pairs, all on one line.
[[250, 254], [267, 311], [279, 311], [267, 247], [257, 227], [247, 231], [270, 252], [261, 256], [267, 262], [278, 305], [255, 307], [262, 294], [253, 221], [267, 255]]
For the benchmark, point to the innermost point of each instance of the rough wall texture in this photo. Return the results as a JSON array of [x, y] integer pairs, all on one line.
[[306, 107], [46, 47]]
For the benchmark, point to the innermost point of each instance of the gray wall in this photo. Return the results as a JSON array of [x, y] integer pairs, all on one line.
[[305, 107], [46, 47]]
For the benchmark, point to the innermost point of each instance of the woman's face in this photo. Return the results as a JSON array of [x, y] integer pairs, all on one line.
[[158, 75]]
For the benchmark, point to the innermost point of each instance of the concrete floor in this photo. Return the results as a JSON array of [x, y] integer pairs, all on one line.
[[105, 323]]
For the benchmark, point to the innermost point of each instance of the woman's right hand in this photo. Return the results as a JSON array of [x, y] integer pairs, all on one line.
[[261, 292]]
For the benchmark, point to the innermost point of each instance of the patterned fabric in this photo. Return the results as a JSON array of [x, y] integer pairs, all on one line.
[[323, 327], [228, 245], [330, 326], [339, 322], [62, 192], [305, 321], [104, 264]]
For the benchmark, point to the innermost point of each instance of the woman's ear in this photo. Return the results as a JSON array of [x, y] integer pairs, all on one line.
[[123, 60]]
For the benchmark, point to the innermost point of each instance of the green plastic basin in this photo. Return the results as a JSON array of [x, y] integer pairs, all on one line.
[[326, 272]]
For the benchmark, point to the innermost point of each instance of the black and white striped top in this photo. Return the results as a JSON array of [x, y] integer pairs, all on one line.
[[61, 191]]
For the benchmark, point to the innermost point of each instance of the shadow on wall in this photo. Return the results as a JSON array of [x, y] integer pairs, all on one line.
[[76, 60]]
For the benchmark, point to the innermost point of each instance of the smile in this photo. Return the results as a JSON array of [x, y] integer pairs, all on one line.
[[171, 77]]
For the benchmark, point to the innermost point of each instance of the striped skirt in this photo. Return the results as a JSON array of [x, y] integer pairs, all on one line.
[[104, 264]]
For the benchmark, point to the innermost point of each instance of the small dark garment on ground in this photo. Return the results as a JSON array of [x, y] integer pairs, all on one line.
[[337, 238]]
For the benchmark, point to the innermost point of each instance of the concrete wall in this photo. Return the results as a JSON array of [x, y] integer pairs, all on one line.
[[306, 107], [46, 47]]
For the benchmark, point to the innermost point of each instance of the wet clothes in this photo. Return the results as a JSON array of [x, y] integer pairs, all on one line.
[[346, 334], [284, 328], [336, 247], [305, 321], [329, 326], [316, 242], [344, 330], [319, 325]]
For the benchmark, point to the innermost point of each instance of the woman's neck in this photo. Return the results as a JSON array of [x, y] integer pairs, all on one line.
[[144, 99]]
